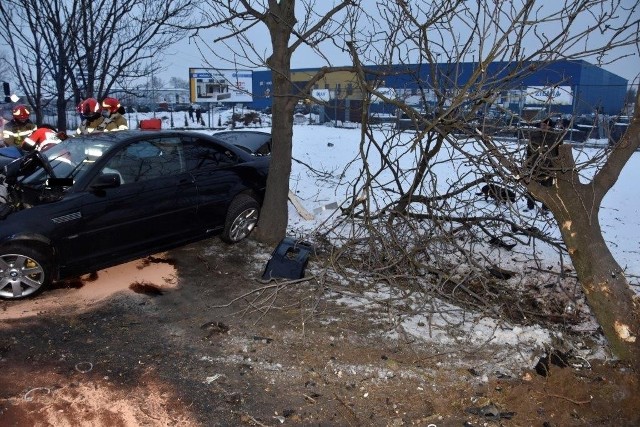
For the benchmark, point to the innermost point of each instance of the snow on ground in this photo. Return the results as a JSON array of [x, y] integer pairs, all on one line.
[[330, 149]]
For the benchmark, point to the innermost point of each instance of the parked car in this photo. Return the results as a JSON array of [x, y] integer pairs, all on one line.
[[98, 200], [255, 142], [181, 107]]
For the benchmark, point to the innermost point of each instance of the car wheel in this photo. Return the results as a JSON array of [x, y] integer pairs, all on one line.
[[242, 218], [24, 272]]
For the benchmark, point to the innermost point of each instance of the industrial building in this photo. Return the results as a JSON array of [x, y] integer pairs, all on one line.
[[562, 87]]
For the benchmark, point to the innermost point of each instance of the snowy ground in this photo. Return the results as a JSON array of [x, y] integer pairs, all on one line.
[[329, 149]]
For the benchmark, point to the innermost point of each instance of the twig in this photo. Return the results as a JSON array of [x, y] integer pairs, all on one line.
[[309, 398], [350, 411], [204, 261], [320, 173], [253, 420], [276, 285], [576, 402]]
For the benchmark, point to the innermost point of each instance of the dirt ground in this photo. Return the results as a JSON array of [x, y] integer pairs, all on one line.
[[158, 342]]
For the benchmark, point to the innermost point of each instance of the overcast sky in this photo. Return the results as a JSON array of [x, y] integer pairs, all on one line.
[[186, 54]]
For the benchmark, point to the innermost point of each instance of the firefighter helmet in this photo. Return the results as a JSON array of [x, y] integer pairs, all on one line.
[[21, 113], [111, 105], [90, 108]]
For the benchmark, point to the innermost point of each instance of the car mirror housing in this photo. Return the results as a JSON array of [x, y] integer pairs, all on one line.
[[106, 180]]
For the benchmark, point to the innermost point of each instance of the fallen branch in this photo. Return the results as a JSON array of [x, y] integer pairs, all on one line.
[[295, 201], [350, 411], [264, 288], [576, 402]]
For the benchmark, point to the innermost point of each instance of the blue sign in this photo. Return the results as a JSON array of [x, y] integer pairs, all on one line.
[[201, 75]]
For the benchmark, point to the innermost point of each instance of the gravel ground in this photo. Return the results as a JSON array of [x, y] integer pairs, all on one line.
[[164, 342]]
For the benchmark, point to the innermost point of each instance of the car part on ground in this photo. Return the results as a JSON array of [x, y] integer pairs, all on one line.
[[288, 260]]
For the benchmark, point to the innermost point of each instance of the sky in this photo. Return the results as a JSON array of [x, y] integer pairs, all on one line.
[[186, 54]]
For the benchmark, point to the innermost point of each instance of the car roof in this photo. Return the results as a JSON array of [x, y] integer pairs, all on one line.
[[245, 131], [115, 137], [123, 137]]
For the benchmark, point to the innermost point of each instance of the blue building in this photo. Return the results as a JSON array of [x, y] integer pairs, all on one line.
[[563, 87]]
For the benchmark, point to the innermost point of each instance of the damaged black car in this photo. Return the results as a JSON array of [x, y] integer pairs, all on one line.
[[99, 200]]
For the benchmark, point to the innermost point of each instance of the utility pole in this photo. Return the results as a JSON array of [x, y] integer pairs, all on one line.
[[153, 94]]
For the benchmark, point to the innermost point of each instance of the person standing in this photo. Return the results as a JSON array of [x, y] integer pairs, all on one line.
[[115, 120], [92, 119], [199, 118], [19, 127]]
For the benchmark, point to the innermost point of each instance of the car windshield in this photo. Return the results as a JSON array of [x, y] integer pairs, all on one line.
[[252, 142], [70, 159]]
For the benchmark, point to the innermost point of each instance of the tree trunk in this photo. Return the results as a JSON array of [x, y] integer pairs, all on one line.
[[274, 216], [575, 207], [607, 290]]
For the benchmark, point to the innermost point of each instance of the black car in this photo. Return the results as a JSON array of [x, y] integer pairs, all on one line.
[[255, 142], [98, 200]]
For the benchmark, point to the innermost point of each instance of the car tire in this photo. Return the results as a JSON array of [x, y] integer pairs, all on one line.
[[24, 272], [242, 218]]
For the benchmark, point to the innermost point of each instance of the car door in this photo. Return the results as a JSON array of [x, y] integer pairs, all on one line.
[[154, 207], [215, 170]]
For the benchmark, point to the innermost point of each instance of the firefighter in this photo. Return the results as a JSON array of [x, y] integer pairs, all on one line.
[[19, 127], [115, 119], [92, 120], [41, 139]]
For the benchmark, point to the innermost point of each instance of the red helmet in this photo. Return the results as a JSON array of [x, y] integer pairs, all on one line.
[[90, 108], [111, 105], [21, 113]]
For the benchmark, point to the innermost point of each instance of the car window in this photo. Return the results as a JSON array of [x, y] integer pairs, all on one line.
[[202, 153], [149, 159]]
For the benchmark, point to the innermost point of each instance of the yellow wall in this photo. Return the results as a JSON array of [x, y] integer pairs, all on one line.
[[331, 81]]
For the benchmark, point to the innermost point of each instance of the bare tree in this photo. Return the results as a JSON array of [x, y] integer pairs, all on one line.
[[72, 49], [179, 83], [5, 67], [288, 29], [403, 185], [27, 47]]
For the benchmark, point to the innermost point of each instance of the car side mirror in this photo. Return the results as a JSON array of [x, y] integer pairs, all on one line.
[[106, 180]]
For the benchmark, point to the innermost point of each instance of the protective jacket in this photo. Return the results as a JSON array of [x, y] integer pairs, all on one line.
[[99, 124], [119, 121], [15, 132]]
